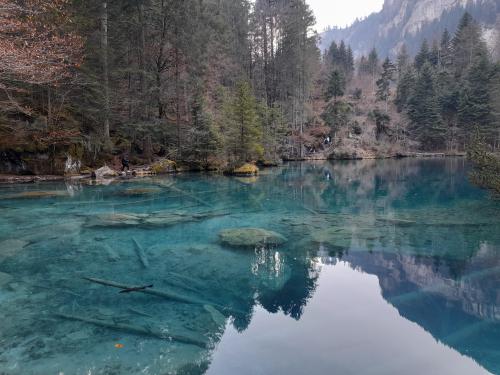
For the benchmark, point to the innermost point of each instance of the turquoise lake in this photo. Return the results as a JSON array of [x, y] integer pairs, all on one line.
[[388, 267]]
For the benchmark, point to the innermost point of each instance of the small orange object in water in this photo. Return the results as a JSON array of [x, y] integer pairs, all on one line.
[[118, 346]]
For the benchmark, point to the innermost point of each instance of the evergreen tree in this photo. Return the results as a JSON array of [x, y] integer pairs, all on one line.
[[423, 110], [205, 141], [423, 55], [373, 65], [475, 104], [384, 83], [495, 105], [445, 51], [245, 135], [336, 85], [373, 62], [434, 54], [467, 44], [350, 62], [403, 60], [406, 85]]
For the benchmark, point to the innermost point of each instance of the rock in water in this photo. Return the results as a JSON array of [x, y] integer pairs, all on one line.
[[140, 191], [250, 237], [5, 278], [113, 220], [9, 248]]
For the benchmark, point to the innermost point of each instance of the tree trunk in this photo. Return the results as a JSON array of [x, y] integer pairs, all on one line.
[[105, 67]]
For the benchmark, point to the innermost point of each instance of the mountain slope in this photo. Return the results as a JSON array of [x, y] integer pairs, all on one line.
[[410, 21]]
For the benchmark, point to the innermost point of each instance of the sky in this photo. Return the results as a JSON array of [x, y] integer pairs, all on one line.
[[342, 12]]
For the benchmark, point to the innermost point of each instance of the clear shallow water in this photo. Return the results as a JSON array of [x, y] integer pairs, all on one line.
[[389, 267]]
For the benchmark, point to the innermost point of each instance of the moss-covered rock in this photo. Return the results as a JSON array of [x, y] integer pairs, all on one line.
[[245, 170], [163, 166], [250, 237], [266, 163]]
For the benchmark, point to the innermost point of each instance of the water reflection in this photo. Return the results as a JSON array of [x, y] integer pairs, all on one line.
[[346, 328], [390, 267]]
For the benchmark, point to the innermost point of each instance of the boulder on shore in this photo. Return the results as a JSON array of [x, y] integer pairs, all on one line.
[[105, 172], [163, 166], [245, 170], [250, 237]]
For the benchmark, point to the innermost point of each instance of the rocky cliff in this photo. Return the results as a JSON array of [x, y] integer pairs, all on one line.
[[410, 21]]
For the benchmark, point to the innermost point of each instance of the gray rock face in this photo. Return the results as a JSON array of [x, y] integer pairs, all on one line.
[[412, 21]]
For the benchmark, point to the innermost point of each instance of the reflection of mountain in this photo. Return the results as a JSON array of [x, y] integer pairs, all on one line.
[[464, 314]]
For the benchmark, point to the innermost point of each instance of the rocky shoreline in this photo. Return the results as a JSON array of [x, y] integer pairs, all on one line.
[[142, 172]]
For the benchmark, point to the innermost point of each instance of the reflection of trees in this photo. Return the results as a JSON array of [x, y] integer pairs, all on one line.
[[295, 293]]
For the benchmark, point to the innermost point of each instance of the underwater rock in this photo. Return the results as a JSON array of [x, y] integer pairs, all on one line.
[[112, 220], [140, 191], [247, 180], [10, 247], [167, 219], [37, 195], [250, 237], [397, 222], [111, 253], [105, 172], [154, 220], [5, 278]]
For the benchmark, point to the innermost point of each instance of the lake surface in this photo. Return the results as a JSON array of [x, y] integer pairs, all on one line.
[[389, 267]]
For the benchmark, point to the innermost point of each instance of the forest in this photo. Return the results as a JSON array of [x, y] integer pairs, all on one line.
[[213, 84]]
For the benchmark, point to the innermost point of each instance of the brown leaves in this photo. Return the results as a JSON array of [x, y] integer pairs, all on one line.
[[36, 42]]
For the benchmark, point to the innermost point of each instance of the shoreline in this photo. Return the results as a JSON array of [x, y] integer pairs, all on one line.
[[8, 179]]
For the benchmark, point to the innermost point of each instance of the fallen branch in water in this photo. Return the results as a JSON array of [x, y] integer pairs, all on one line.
[[189, 195], [162, 294], [137, 330], [140, 253], [167, 295]]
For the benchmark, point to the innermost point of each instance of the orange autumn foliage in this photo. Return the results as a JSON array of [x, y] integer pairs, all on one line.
[[37, 45]]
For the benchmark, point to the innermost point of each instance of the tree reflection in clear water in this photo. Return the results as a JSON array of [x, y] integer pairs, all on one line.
[[431, 240]]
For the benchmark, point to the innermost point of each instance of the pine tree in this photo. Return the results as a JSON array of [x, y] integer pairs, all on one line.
[[204, 139], [245, 135], [434, 54], [445, 52], [336, 85], [495, 105], [423, 55], [423, 110], [406, 85], [467, 44], [403, 60], [384, 83], [350, 62], [372, 65], [475, 102]]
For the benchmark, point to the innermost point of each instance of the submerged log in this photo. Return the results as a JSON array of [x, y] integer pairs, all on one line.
[[182, 192], [167, 295], [141, 254], [133, 329]]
